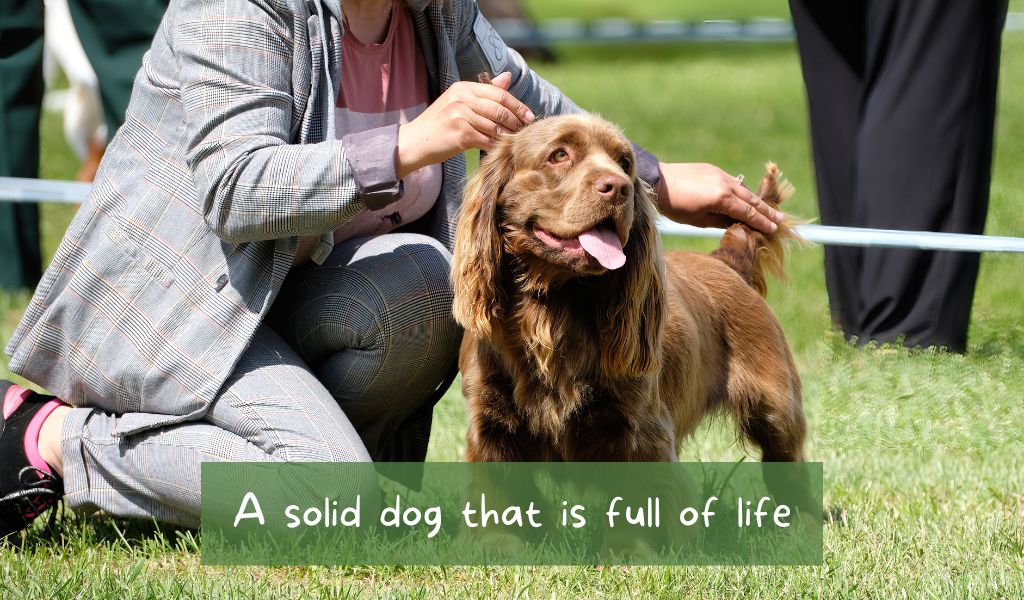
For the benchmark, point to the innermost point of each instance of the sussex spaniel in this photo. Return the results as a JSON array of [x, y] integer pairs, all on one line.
[[583, 341]]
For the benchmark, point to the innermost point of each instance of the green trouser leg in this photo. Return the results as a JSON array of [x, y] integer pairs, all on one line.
[[115, 34], [21, 94]]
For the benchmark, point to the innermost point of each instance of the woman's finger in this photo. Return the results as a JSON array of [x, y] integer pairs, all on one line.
[[483, 132], [497, 113], [502, 80], [506, 99], [744, 211], [745, 194]]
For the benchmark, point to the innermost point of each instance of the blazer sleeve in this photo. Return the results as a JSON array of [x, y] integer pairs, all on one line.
[[480, 48], [235, 61]]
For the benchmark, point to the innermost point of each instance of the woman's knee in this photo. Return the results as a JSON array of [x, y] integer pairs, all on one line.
[[367, 289], [410, 260], [411, 288]]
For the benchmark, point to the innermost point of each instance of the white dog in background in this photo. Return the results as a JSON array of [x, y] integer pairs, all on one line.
[[84, 126]]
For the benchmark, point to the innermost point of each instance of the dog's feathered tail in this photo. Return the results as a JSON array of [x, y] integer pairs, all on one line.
[[754, 254]]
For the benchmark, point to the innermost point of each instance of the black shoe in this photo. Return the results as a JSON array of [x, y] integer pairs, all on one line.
[[26, 490]]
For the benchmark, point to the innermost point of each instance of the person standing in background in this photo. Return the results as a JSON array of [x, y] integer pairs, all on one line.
[[115, 35], [902, 98]]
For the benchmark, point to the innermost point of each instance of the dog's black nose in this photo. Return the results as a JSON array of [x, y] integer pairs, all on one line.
[[612, 187]]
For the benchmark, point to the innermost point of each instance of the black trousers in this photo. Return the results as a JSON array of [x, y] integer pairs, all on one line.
[[902, 98]]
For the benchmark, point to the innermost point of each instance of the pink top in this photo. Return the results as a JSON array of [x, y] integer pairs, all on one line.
[[367, 100]]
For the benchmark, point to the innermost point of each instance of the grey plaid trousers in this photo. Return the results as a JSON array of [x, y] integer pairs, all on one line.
[[340, 371]]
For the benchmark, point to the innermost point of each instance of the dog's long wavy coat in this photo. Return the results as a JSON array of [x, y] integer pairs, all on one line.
[[569, 354]]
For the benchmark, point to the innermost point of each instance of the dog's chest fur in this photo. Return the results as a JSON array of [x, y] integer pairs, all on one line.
[[553, 362]]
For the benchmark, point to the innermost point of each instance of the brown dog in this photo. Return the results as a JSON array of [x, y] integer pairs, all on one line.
[[583, 342]]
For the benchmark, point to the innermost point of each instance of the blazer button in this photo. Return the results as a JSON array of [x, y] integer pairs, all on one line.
[[221, 282]]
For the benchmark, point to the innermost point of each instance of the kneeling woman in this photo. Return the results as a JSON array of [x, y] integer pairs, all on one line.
[[261, 270]]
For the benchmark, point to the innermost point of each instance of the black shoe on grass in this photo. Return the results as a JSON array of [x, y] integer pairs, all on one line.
[[28, 487]]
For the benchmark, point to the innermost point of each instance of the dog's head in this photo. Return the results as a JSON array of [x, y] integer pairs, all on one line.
[[563, 199]]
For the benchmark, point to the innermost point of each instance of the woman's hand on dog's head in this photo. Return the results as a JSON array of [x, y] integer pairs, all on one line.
[[468, 115], [704, 195]]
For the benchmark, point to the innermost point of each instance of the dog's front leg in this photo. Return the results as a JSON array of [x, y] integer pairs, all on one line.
[[625, 422], [497, 434], [633, 429]]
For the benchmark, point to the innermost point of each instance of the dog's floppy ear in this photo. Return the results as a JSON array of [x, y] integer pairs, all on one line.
[[635, 297], [476, 265]]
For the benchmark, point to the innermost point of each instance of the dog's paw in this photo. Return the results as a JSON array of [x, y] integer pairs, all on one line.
[[625, 545], [493, 541]]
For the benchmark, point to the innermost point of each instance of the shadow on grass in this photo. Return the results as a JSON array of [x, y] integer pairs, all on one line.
[[985, 341], [988, 340], [835, 515], [133, 535]]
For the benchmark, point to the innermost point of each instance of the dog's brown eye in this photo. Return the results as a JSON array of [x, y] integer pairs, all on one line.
[[559, 156], [625, 163]]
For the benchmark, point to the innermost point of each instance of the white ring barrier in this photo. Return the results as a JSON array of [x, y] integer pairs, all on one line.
[[15, 189], [874, 238], [18, 189]]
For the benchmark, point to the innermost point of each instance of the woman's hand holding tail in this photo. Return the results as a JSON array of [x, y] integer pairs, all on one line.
[[706, 196]]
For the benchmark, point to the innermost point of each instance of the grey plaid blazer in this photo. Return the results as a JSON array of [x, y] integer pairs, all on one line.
[[226, 157]]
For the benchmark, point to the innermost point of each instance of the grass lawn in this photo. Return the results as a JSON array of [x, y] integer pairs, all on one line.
[[689, 10], [923, 450]]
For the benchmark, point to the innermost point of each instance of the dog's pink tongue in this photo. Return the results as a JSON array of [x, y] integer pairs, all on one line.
[[603, 244]]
